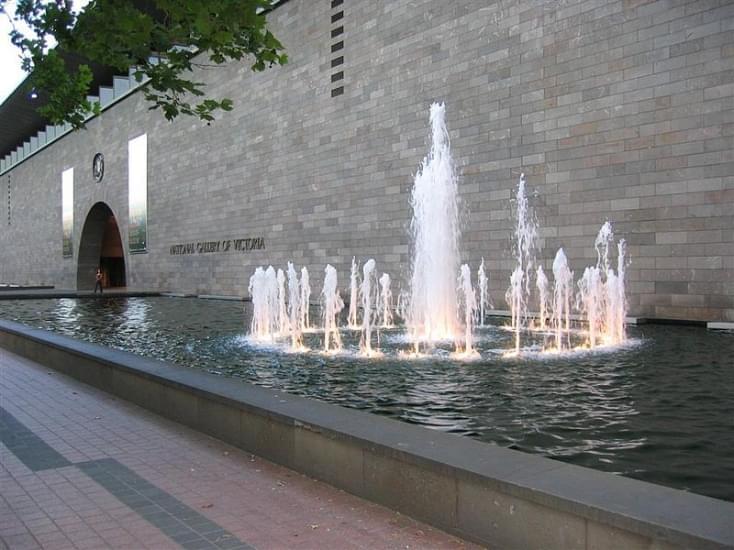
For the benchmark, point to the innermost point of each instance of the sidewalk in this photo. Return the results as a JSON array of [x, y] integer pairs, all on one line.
[[81, 469]]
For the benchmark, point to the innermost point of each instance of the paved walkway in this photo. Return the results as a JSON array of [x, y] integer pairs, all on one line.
[[81, 469]]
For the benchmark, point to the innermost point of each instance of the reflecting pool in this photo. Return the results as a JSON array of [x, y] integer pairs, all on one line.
[[660, 408]]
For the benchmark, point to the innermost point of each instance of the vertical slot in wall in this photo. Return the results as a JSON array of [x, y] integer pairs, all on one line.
[[337, 47]]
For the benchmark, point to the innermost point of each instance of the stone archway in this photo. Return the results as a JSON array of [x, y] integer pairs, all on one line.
[[100, 246]]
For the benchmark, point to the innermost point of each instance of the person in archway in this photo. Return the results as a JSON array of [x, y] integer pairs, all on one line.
[[98, 283]]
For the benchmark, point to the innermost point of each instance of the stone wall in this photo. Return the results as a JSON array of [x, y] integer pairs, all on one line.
[[615, 110]]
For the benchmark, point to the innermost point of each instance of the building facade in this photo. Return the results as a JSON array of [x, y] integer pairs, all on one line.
[[619, 110]]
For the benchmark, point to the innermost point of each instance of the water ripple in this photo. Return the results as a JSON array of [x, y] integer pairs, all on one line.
[[660, 408]]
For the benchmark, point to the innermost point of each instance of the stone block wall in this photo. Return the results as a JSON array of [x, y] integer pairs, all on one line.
[[616, 110]]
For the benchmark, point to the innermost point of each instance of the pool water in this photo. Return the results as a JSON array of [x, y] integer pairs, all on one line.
[[660, 409]]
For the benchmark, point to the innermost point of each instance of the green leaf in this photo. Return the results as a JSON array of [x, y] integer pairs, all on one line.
[[125, 35]]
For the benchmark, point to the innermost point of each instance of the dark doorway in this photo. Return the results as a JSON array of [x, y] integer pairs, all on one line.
[[112, 257], [101, 246]]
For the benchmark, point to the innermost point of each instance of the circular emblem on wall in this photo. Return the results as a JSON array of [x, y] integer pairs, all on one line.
[[98, 167]]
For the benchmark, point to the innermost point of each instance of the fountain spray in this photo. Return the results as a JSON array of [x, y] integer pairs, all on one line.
[[353, 294], [386, 299], [283, 327], [589, 301], [305, 322], [618, 297], [263, 288], [332, 304], [483, 293], [525, 239], [470, 308], [541, 283], [294, 305], [611, 288], [561, 296], [515, 297], [368, 283], [432, 309]]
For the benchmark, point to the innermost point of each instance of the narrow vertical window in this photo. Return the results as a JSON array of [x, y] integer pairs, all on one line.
[[138, 193], [67, 212]]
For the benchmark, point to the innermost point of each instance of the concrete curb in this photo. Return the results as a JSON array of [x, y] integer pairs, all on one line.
[[488, 494], [720, 326]]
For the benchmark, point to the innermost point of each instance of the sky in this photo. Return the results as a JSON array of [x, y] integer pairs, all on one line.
[[12, 74]]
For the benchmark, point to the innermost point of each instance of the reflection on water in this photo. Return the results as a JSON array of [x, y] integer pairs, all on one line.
[[661, 409]]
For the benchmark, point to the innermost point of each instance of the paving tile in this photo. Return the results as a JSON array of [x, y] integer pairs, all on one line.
[[116, 476]]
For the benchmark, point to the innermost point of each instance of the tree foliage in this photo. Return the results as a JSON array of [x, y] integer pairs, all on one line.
[[162, 41]]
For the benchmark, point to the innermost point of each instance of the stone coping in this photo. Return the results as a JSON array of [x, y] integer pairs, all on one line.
[[42, 293], [666, 515], [720, 326], [15, 288]]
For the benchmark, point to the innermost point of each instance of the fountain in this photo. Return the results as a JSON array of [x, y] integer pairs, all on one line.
[[469, 304], [305, 300], [353, 294], [332, 304], [283, 327], [617, 298], [386, 300], [484, 300], [524, 243], [541, 283], [436, 310], [366, 291], [515, 298], [601, 297], [561, 298], [432, 308], [588, 301], [263, 289], [294, 306]]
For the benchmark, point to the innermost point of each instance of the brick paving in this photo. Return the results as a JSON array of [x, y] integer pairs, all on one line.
[[80, 469]]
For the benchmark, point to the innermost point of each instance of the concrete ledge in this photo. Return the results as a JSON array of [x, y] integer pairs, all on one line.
[[488, 494], [574, 316], [4, 287], [220, 297], [42, 293], [720, 326]]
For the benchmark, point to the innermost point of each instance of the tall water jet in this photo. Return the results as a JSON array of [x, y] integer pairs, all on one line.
[[432, 309], [525, 238], [294, 306], [561, 297], [263, 289], [469, 307], [283, 327], [305, 322], [386, 301], [353, 294], [332, 304], [484, 301], [366, 291], [541, 283]]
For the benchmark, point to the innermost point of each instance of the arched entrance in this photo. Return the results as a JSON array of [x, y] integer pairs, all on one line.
[[100, 246]]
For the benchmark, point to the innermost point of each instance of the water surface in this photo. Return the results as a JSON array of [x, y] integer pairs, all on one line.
[[660, 409]]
